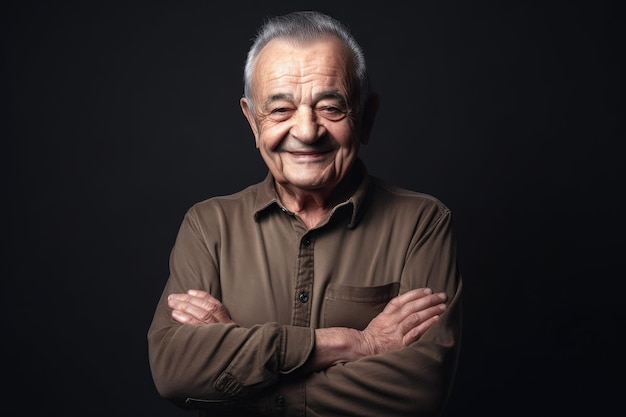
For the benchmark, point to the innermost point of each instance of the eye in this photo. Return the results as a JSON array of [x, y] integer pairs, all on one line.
[[280, 113], [332, 113]]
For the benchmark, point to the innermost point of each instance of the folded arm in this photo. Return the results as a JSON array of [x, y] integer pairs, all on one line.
[[403, 321]]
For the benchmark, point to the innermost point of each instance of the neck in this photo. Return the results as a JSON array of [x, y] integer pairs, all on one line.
[[312, 206]]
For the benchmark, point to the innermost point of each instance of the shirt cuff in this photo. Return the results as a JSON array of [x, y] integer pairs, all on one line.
[[296, 347]]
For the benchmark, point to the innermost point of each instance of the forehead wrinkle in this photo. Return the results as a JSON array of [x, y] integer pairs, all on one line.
[[304, 69], [301, 76]]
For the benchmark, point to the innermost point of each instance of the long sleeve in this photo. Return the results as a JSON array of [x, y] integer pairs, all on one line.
[[215, 362], [416, 380]]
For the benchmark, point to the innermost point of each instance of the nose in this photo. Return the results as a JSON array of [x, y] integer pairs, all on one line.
[[306, 127]]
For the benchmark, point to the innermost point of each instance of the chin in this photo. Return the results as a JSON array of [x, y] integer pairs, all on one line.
[[310, 183]]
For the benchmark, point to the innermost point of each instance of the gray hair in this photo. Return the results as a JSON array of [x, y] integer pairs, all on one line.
[[304, 26]]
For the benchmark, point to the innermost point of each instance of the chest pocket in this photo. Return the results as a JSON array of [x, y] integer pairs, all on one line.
[[355, 307]]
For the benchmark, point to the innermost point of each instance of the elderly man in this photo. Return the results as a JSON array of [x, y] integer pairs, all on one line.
[[322, 290]]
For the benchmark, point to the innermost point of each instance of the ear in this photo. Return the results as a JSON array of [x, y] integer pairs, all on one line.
[[368, 116], [247, 111]]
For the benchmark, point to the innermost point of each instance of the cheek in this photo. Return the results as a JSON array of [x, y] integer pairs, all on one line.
[[348, 139], [271, 135], [344, 132]]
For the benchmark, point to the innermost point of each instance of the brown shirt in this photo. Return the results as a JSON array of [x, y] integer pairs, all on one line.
[[279, 281]]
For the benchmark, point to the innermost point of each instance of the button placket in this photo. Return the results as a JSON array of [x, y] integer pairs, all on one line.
[[304, 282]]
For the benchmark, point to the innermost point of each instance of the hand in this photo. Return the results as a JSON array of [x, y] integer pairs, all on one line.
[[403, 320], [197, 307]]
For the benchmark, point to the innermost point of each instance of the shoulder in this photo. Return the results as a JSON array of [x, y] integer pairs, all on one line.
[[240, 203], [395, 197], [405, 210]]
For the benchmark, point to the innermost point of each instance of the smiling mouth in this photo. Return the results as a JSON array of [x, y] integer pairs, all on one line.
[[311, 155], [311, 152]]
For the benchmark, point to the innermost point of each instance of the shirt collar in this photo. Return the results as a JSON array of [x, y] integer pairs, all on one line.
[[267, 197]]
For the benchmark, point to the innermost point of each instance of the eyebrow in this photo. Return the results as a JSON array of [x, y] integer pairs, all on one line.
[[277, 97], [332, 94], [335, 94]]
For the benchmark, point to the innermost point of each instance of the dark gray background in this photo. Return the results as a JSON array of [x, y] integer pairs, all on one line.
[[120, 115]]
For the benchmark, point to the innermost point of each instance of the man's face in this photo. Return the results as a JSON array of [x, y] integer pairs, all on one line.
[[302, 120]]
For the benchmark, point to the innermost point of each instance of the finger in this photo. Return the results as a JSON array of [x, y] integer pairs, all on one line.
[[201, 294], [420, 316], [193, 293], [416, 332], [196, 297], [198, 309], [201, 305], [422, 303], [178, 301], [207, 302], [414, 304], [184, 318], [416, 319], [176, 297], [203, 300], [174, 300], [401, 300]]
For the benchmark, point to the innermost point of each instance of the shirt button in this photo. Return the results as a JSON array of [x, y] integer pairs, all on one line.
[[303, 297], [280, 401], [306, 242]]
